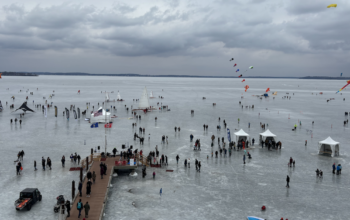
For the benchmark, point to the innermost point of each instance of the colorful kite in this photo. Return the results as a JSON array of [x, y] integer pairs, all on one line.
[[235, 65], [79, 91], [332, 5], [237, 70], [251, 67], [231, 59], [243, 80], [268, 89], [348, 82], [240, 76], [246, 87]]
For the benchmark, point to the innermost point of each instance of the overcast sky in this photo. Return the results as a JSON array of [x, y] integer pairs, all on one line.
[[192, 37]]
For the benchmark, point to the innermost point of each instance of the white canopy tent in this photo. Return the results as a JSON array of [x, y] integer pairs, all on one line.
[[267, 135], [328, 146], [241, 135]]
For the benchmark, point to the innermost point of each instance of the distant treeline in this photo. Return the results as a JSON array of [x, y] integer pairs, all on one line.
[[140, 75], [17, 74]]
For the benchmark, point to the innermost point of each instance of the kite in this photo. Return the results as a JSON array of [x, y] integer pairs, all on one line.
[[251, 67], [79, 91], [243, 80], [332, 5], [235, 65], [246, 87], [340, 75], [24, 108], [231, 59], [348, 82], [268, 89], [240, 76], [237, 70]]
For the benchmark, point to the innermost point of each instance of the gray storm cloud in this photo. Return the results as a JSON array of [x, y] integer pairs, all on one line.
[[178, 29]]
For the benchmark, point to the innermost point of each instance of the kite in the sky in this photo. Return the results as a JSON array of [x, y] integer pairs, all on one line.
[[231, 59], [332, 5], [240, 76], [237, 70], [251, 67], [348, 82], [246, 87], [235, 65], [79, 91], [243, 80], [340, 75], [24, 108], [268, 89]]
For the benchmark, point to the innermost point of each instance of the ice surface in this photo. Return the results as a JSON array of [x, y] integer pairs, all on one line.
[[224, 189]]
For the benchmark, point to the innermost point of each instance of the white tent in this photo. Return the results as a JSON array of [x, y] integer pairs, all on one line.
[[241, 135], [328, 146], [143, 103], [267, 134]]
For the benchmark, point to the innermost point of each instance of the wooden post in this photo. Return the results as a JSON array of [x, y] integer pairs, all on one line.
[[81, 174], [87, 163], [73, 190]]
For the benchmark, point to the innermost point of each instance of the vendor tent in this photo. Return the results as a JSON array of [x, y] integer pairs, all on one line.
[[328, 146], [241, 135], [267, 135]]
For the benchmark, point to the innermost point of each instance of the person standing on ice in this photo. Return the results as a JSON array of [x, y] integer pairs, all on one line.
[[177, 159], [288, 179], [243, 158], [63, 160], [160, 192], [35, 165], [333, 168], [43, 163]]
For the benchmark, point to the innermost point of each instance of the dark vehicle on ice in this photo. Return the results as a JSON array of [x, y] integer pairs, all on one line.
[[27, 198]]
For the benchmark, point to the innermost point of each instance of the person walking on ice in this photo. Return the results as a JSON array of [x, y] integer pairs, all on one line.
[[160, 192], [288, 179]]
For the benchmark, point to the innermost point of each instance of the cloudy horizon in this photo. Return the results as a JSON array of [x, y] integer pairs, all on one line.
[[289, 38]]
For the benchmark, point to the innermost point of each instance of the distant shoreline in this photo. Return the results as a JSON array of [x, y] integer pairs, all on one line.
[[179, 76]]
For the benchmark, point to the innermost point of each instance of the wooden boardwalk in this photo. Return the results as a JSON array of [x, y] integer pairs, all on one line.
[[99, 192]]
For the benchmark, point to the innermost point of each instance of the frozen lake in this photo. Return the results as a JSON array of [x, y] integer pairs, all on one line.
[[225, 188]]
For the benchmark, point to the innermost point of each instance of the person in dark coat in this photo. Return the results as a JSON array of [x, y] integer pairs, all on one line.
[[80, 187], [43, 163], [63, 160], [102, 171], [89, 175], [288, 179], [105, 168], [333, 168], [67, 204], [87, 209], [88, 188]]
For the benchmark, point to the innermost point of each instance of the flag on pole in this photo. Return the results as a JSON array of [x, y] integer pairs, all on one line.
[[108, 125], [99, 112], [94, 125]]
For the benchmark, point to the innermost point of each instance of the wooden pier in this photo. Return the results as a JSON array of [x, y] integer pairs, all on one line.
[[99, 190]]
